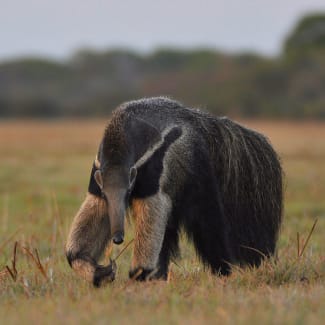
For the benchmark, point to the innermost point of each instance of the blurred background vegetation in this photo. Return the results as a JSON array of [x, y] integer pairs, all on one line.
[[92, 83]]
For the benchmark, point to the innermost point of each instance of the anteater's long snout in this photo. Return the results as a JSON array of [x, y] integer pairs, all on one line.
[[116, 211]]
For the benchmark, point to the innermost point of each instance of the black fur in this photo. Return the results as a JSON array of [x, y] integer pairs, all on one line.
[[147, 181], [93, 187]]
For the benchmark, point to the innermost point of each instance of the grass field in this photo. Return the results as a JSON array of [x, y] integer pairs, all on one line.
[[44, 172]]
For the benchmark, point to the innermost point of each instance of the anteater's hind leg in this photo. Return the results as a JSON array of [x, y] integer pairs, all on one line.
[[205, 225], [211, 244]]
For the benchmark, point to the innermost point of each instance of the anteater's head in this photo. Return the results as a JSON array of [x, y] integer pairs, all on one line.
[[102, 215]]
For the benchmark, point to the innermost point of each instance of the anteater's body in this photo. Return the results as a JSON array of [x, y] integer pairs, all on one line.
[[177, 168]]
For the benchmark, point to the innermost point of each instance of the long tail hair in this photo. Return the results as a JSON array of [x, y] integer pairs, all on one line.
[[249, 176]]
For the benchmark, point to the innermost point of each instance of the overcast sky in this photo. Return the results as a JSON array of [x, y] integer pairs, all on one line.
[[56, 28]]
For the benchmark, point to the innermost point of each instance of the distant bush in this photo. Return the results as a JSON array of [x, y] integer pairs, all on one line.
[[92, 83], [309, 34]]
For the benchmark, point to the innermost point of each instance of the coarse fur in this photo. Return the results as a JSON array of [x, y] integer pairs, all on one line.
[[88, 238], [179, 168]]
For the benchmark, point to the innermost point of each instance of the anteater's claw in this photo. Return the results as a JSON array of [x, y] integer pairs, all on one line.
[[104, 274]]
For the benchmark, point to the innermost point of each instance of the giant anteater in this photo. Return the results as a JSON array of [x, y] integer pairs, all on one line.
[[175, 168]]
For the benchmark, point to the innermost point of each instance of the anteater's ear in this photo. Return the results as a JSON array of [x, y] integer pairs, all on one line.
[[98, 178], [142, 134], [97, 162], [93, 186]]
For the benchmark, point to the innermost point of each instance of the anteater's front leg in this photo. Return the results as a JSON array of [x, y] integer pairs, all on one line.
[[88, 237], [151, 216]]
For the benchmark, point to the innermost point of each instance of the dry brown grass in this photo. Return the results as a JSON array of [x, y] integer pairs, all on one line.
[[44, 171]]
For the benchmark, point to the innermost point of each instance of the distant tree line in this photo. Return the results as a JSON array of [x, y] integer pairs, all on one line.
[[92, 83]]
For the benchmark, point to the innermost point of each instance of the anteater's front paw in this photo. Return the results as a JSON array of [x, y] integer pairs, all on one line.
[[142, 274], [104, 274]]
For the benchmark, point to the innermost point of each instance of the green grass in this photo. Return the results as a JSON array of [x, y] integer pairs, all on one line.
[[44, 172]]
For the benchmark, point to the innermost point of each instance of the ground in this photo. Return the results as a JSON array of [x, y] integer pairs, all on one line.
[[44, 173]]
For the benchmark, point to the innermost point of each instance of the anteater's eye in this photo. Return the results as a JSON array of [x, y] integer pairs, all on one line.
[[103, 195]]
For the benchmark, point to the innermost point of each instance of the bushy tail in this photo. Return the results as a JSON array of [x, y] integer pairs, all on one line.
[[250, 181]]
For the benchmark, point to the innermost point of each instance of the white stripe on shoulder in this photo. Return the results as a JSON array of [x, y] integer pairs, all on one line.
[[148, 154]]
